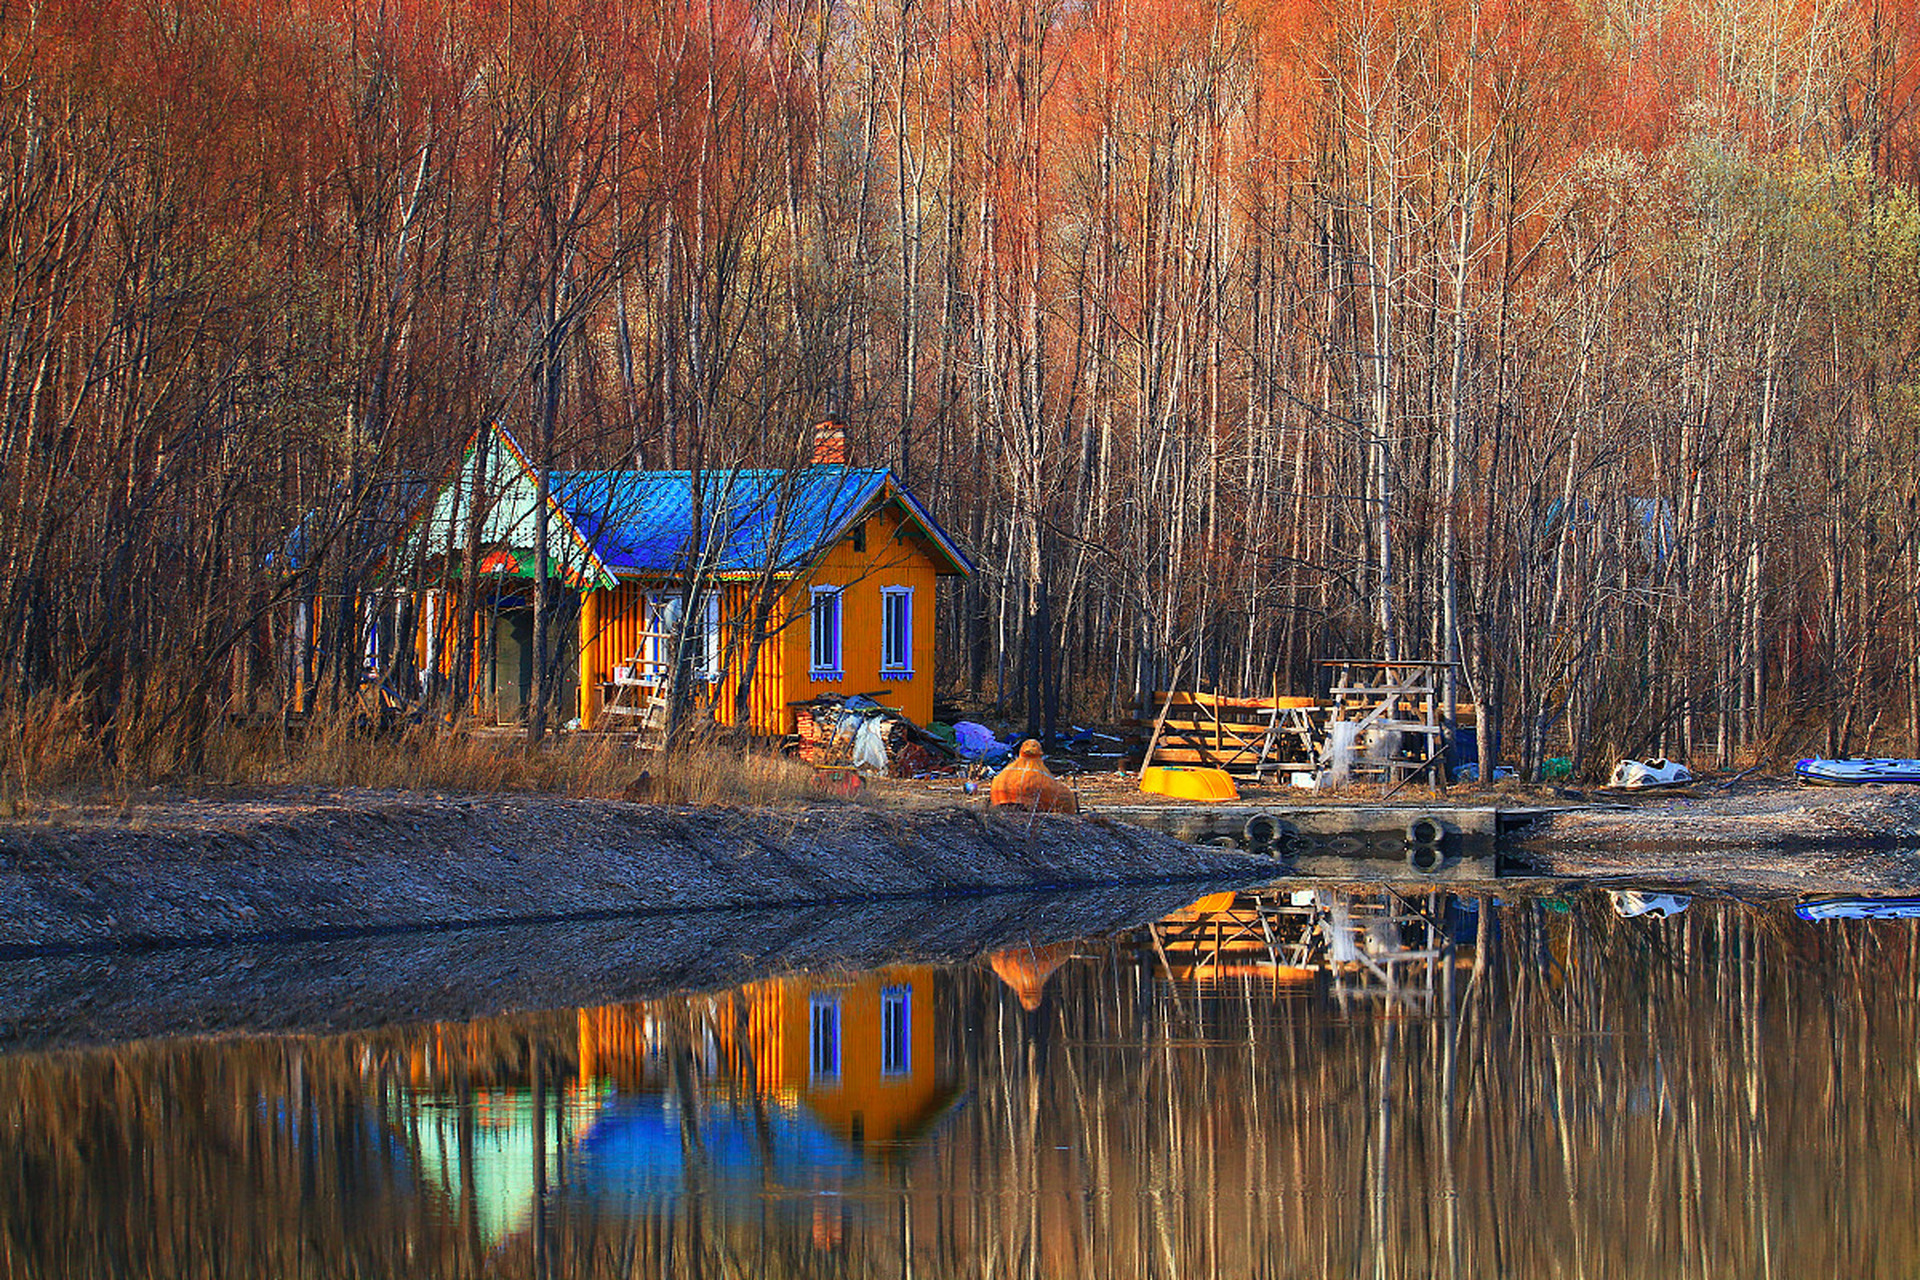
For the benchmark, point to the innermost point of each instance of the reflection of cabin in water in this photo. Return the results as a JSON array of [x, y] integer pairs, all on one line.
[[858, 1053], [797, 1081], [820, 578]]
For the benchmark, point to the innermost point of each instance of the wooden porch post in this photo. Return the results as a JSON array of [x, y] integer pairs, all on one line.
[[589, 653]]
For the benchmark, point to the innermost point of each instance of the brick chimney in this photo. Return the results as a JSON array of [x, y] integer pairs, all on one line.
[[830, 444]]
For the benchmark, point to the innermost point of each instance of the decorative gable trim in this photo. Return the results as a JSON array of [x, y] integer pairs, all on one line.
[[958, 562]]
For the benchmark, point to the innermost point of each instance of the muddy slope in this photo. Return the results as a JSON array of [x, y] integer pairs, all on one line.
[[90, 997], [320, 866]]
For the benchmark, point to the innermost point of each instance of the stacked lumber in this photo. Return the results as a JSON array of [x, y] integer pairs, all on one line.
[[825, 738], [1246, 736]]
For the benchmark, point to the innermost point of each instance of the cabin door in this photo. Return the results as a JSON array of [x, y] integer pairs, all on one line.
[[512, 665]]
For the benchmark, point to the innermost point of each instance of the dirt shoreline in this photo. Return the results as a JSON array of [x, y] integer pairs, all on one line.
[[1758, 837], [317, 910], [307, 865], [313, 864]]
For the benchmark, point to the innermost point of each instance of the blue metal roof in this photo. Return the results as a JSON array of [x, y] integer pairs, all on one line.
[[641, 522]]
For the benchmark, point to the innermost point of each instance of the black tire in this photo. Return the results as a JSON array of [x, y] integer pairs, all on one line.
[[1425, 859], [1224, 842], [1426, 829], [1264, 830]]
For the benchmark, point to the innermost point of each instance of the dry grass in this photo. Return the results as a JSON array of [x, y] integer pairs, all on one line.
[[52, 759], [717, 768], [46, 750], [709, 769], [334, 753]]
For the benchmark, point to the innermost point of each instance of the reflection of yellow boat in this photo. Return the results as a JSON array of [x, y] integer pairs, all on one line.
[[1188, 782], [1280, 975]]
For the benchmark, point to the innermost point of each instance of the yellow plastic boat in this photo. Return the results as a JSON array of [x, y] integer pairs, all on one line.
[[1188, 782]]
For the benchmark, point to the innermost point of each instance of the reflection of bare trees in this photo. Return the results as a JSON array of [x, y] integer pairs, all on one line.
[[1726, 1092]]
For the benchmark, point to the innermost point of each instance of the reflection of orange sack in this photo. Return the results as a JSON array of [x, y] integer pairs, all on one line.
[[1026, 969], [1027, 783]]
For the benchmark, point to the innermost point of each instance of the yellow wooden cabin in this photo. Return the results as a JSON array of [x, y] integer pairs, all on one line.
[[823, 576]]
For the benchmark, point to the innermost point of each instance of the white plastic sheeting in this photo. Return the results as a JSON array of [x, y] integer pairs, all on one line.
[[1343, 742]]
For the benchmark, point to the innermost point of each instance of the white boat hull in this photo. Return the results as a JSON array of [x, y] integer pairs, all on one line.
[[1646, 775], [1858, 908], [1854, 773]]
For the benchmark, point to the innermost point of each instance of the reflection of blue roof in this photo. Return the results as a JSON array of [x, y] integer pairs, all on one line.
[[642, 521], [636, 1148]]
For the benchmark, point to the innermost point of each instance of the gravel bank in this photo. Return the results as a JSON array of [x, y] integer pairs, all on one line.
[[453, 975], [1766, 835], [327, 864]]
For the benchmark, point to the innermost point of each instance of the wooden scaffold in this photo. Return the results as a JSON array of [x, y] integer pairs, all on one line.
[[1391, 715], [1395, 713]]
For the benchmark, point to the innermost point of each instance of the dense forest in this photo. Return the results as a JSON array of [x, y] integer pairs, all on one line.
[[1573, 342]]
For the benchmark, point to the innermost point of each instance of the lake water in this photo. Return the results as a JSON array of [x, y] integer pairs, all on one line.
[[1330, 1083]]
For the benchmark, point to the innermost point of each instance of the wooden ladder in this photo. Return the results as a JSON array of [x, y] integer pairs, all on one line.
[[648, 712]]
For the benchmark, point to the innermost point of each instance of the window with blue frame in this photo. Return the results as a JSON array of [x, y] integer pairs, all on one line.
[[896, 1031], [823, 653], [896, 631], [823, 1037]]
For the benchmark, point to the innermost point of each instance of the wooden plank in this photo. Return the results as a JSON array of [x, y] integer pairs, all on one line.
[[1244, 729], [1384, 662], [1246, 718], [1202, 755], [1218, 700], [1183, 755]]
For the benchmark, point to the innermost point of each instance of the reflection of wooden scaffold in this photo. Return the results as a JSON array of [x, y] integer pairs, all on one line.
[[1395, 709], [1367, 944], [1224, 931]]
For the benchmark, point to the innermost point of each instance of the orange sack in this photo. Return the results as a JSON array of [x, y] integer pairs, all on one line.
[[1027, 784]]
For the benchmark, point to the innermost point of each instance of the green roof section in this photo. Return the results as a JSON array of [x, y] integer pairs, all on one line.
[[507, 527]]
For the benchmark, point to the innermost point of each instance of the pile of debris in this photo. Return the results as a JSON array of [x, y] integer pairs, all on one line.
[[860, 733]]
